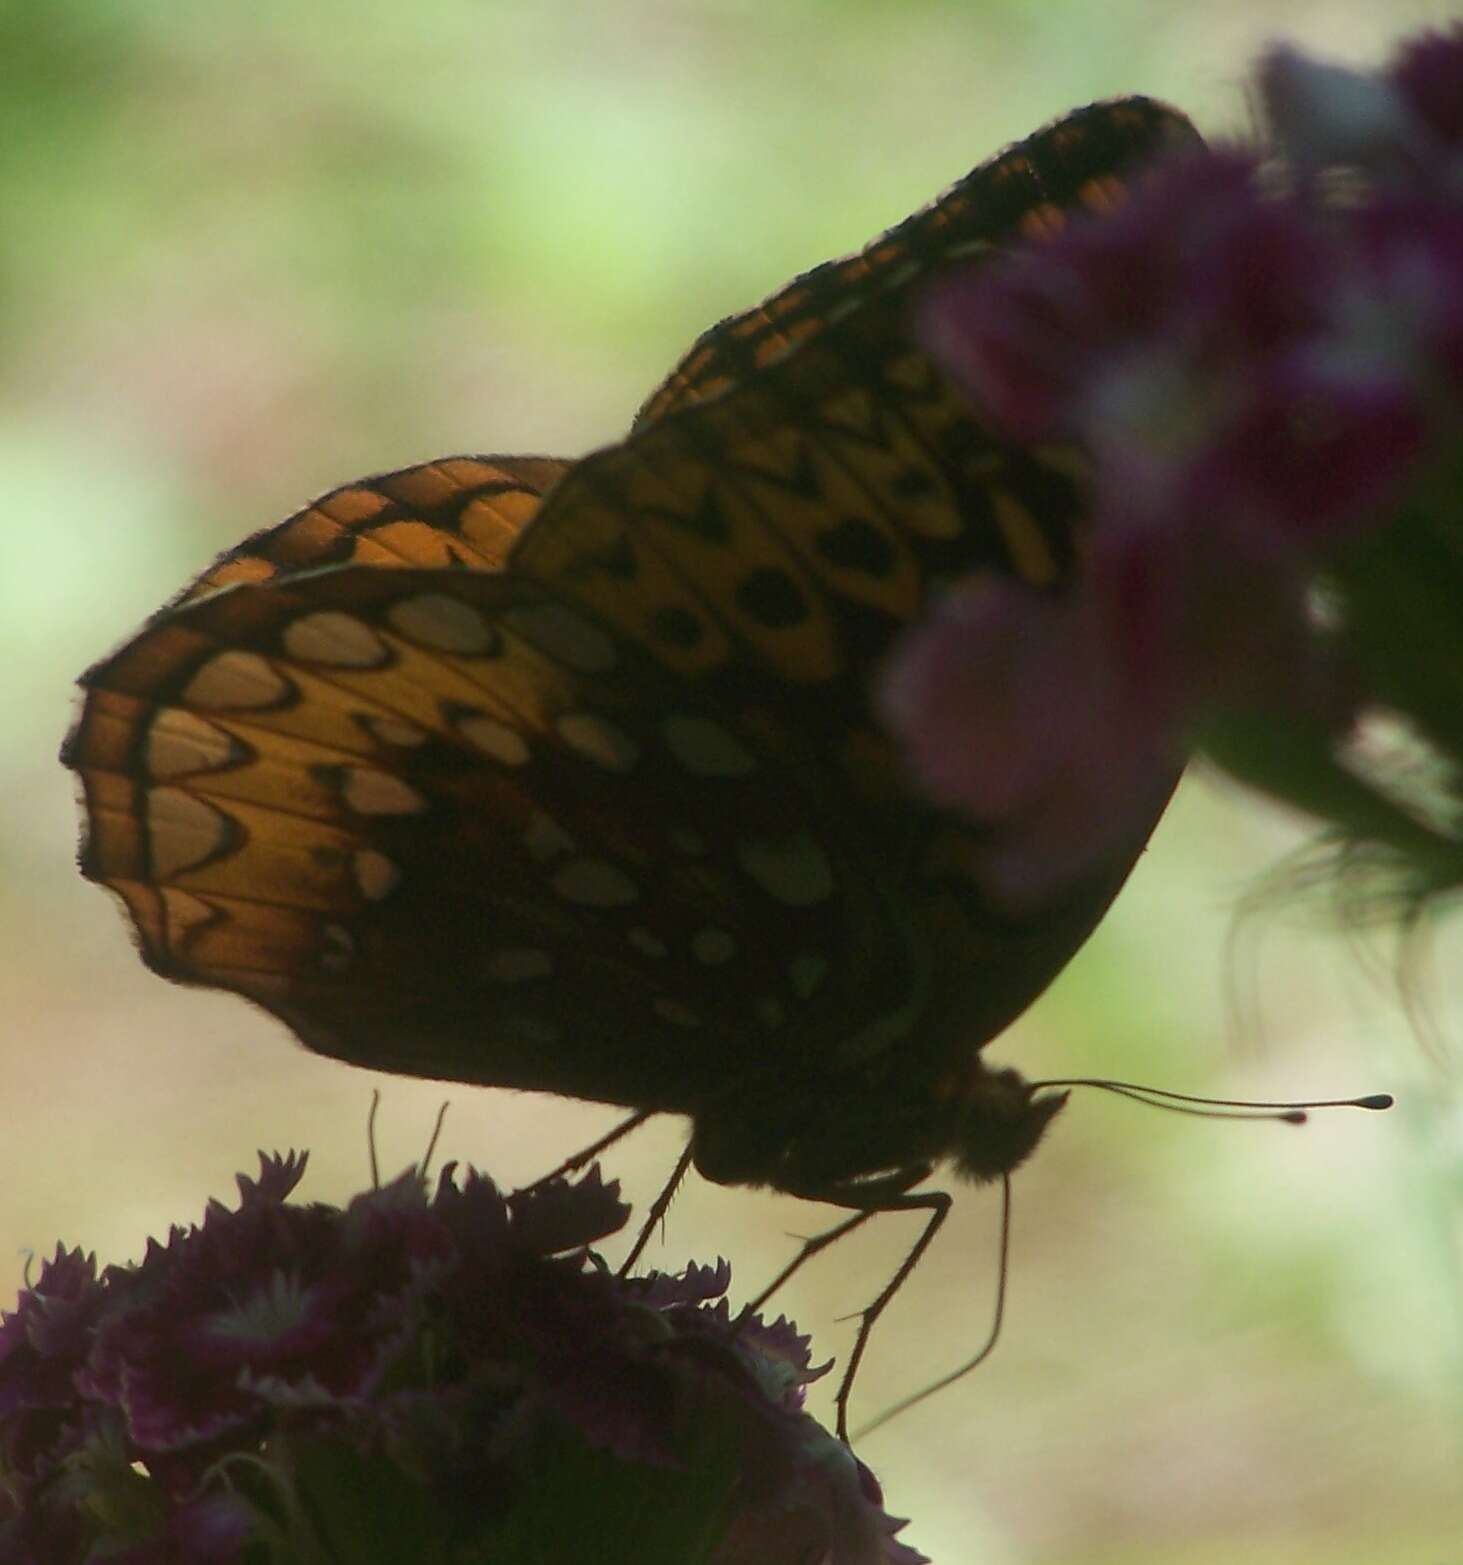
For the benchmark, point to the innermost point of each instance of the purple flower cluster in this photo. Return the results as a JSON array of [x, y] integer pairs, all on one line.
[[450, 1376], [1264, 368]]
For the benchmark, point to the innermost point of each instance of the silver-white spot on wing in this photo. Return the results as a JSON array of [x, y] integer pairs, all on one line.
[[179, 743], [565, 635], [493, 738], [335, 639], [705, 748], [793, 870], [236, 681], [369, 792], [376, 875], [518, 964], [182, 832], [443, 624], [713, 947], [594, 883], [598, 740]]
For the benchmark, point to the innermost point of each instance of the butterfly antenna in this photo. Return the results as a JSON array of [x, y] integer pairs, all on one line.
[[1003, 1269], [1218, 1108], [371, 1138], [426, 1162]]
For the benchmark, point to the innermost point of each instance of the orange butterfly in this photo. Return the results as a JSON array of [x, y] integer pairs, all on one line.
[[564, 775]]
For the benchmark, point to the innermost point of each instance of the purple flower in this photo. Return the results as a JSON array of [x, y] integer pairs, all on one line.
[[1426, 72], [1010, 710], [1402, 230], [43, 1343], [1402, 127], [414, 1376], [250, 1307], [1262, 380], [1206, 346]]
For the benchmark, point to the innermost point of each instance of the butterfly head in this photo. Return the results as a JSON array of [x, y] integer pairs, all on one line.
[[1001, 1118]]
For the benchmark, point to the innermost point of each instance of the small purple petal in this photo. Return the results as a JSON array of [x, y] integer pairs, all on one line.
[[1325, 115], [696, 1285], [561, 1216], [1002, 689], [279, 1173], [830, 1510], [1027, 712]]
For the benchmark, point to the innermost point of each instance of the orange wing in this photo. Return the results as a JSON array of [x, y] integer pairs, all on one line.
[[456, 512]]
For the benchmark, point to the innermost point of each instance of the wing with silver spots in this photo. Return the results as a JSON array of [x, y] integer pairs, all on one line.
[[445, 824]]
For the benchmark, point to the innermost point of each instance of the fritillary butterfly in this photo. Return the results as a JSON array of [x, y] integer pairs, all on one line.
[[564, 776]]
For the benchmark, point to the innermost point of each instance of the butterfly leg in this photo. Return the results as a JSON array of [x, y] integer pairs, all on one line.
[[661, 1203], [937, 1203], [592, 1151], [811, 1247], [987, 1347], [866, 1199], [658, 1209]]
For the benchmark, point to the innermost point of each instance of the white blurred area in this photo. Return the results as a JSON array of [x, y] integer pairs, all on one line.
[[257, 256]]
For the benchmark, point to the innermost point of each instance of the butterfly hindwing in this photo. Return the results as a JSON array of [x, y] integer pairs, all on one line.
[[458, 512], [432, 819]]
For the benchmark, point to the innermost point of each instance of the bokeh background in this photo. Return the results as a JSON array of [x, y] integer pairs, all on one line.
[[249, 252]]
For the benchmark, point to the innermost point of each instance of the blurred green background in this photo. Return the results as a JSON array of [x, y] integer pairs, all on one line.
[[251, 252]]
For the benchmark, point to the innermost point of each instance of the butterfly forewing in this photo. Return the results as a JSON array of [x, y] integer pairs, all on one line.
[[1079, 162], [787, 529]]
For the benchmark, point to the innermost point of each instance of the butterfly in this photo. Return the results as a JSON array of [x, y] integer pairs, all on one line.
[[565, 776]]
